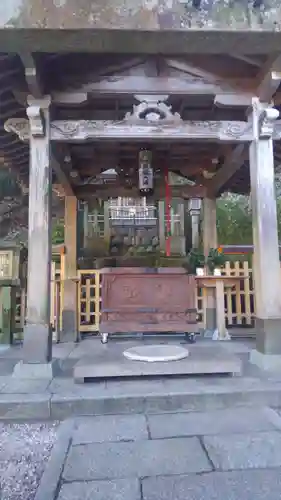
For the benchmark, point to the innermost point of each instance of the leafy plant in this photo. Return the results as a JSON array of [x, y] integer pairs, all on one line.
[[216, 258], [194, 259]]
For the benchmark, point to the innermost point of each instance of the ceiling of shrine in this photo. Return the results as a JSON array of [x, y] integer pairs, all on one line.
[[105, 82]]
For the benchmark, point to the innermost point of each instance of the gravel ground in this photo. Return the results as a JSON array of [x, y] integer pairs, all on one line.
[[24, 451]]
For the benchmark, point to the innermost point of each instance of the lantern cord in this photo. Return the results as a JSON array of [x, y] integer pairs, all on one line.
[[167, 213]]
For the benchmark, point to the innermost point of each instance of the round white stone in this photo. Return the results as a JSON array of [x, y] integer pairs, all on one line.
[[156, 353]]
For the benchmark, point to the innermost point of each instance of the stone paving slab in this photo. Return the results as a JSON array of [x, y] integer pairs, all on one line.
[[120, 489], [67, 386], [110, 428], [244, 485], [244, 451], [25, 386], [230, 420], [23, 406], [138, 459]]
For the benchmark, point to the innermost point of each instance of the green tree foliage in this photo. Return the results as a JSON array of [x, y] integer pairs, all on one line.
[[58, 233], [234, 220]]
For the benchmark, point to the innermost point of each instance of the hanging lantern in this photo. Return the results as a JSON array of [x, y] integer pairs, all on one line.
[[145, 172]]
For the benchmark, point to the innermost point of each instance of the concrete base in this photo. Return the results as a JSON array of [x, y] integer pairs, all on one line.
[[156, 353], [37, 343], [211, 319], [69, 326], [33, 371], [4, 347], [269, 336], [108, 362], [265, 361]]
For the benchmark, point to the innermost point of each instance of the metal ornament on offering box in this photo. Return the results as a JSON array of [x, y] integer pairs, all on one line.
[[145, 172]]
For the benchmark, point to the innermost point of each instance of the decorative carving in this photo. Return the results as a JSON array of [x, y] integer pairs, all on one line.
[[153, 110], [36, 120], [267, 120], [18, 126], [164, 127]]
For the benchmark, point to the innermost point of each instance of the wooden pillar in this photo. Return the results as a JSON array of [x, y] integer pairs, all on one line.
[[69, 312], [195, 219], [37, 331], [209, 224], [106, 214], [266, 263]]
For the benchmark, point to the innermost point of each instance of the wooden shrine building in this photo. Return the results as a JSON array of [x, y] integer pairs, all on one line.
[[84, 86]]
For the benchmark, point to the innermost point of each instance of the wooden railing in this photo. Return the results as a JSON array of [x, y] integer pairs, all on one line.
[[239, 301]]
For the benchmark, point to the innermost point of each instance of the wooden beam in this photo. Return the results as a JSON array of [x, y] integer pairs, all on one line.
[[233, 100], [232, 164], [269, 79], [62, 177], [105, 162], [112, 191], [247, 59], [80, 130], [217, 131], [190, 69], [31, 75], [133, 85]]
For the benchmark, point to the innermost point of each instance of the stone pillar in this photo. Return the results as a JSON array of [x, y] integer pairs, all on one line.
[[69, 311], [210, 241], [161, 226], [266, 265], [37, 346]]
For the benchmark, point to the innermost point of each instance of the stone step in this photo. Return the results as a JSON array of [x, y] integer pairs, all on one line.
[[63, 398], [110, 362]]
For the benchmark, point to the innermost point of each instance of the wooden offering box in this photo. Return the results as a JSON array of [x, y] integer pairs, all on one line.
[[148, 300]]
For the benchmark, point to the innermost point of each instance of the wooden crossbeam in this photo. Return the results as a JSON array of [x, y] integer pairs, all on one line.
[[269, 79], [231, 165], [32, 77], [132, 85], [176, 130], [108, 191]]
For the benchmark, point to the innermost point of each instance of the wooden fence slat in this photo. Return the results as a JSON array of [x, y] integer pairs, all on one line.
[[229, 315], [238, 293]]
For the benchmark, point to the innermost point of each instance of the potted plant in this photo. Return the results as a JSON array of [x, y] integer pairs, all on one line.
[[194, 260], [215, 259]]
